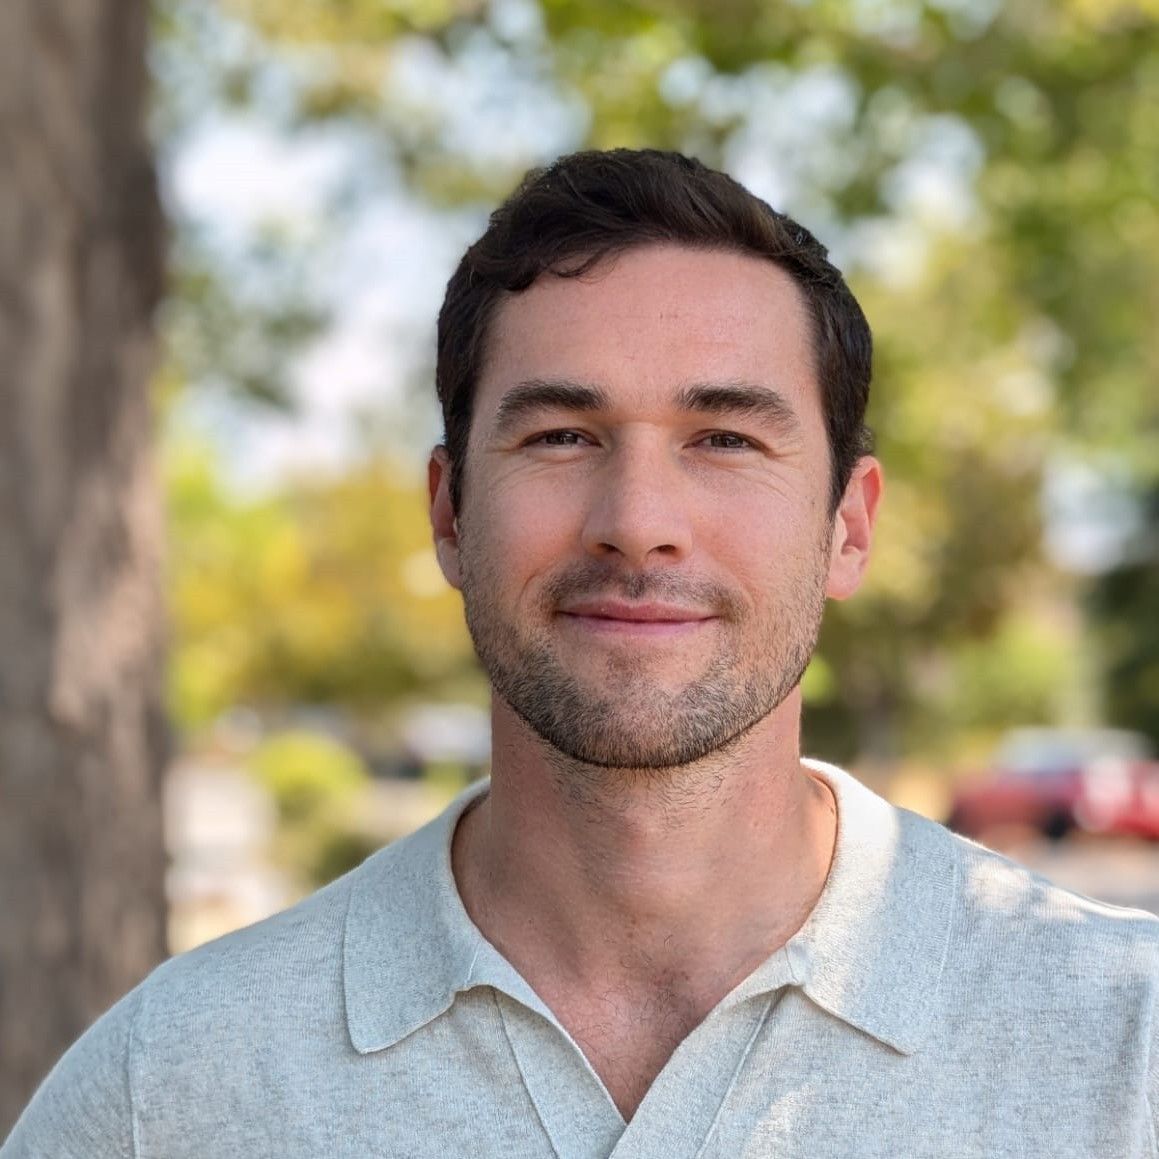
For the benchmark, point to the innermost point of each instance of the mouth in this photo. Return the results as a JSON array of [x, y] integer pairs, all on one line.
[[619, 617]]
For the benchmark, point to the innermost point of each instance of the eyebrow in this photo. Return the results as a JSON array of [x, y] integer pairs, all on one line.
[[742, 399], [540, 394]]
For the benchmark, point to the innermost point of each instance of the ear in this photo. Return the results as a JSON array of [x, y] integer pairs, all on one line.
[[443, 522], [853, 529]]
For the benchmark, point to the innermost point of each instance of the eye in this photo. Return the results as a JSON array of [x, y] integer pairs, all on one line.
[[728, 441], [557, 439]]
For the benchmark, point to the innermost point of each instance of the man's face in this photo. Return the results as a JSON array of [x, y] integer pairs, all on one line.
[[644, 545]]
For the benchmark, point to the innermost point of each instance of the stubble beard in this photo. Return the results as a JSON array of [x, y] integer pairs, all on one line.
[[629, 720]]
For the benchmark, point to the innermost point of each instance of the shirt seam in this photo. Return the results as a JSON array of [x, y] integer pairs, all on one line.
[[130, 1046], [955, 907], [1149, 1078], [787, 950], [771, 1001], [474, 961], [1151, 1125], [523, 1076], [956, 873]]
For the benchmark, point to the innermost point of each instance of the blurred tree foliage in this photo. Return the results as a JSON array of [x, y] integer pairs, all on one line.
[[1124, 602], [317, 785], [305, 773], [327, 593], [1013, 302], [237, 330]]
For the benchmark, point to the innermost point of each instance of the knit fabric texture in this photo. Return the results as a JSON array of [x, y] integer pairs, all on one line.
[[939, 1001]]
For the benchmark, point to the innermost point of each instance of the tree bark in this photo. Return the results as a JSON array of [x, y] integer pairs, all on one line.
[[82, 734]]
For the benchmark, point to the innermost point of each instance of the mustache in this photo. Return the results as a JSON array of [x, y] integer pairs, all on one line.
[[594, 580]]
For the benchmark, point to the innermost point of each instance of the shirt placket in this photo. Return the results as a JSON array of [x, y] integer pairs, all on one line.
[[678, 1114], [574, 1107], [680, 1111]]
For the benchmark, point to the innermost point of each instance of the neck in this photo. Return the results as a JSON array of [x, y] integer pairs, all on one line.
[[634, 878]]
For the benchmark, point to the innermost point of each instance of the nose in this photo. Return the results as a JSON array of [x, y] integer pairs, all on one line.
[[639, 509]]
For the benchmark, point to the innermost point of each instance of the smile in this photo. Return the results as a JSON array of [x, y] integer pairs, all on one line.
[[616, 618]]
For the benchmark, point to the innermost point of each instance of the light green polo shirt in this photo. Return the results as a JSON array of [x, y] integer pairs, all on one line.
[[939, 1001]]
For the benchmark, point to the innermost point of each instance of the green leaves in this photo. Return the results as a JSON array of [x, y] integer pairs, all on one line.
[[327, 593], [988, 173]]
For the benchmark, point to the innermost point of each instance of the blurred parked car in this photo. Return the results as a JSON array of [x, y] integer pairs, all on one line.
[[1055, 781]]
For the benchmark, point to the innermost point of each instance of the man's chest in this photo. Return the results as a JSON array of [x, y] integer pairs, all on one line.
[[770, 1077]]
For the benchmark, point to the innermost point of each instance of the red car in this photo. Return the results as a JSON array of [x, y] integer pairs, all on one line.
[[1058, 780]]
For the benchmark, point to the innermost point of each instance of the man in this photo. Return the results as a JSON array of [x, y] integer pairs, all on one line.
[[656, 931]]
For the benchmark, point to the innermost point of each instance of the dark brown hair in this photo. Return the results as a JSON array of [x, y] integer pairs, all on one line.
[[587, 207]]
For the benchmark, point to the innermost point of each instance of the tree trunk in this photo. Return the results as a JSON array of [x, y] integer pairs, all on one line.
[[82, 734]]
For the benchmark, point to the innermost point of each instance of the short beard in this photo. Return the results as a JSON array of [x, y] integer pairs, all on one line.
[[635, 724]]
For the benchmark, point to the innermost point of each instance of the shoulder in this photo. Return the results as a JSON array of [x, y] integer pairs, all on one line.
[[297, 941], [279, 978], [204, 1021], [1000, 898], [1022, 944], [83, 1108]]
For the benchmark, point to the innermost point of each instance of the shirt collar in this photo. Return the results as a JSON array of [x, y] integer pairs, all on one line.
[[871, 953], [409, 946], [873, 950]]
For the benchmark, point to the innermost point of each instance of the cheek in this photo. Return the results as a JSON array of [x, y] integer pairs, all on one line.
[[525, 532], [765, 548]]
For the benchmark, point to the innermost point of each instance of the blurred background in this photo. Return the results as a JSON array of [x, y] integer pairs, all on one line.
[[229, 667]]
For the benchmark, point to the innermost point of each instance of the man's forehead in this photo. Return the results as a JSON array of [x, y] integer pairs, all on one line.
[[653, 274], [664, 318]]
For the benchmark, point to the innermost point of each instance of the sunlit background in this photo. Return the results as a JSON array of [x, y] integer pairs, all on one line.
[[987, 175]]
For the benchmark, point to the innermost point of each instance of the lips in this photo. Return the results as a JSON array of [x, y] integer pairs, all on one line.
[[623, 611]]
